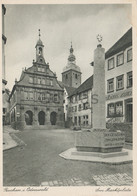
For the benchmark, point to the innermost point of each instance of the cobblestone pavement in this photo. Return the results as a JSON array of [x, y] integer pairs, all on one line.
[[68, 182], [119, 179]]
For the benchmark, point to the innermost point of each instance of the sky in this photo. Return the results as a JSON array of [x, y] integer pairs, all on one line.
[[59, 25]]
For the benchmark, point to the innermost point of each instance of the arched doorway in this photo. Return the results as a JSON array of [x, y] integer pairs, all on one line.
[[41, 118], [53, 118], [29, 117]]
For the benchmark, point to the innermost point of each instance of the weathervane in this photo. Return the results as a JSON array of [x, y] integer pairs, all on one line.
[[99, 38]]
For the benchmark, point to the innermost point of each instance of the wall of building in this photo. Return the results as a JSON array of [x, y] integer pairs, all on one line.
[[79, 110], [123, 95], [22, 105], [71, 78]]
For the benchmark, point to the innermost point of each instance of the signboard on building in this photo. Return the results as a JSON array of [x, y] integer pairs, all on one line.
[[125, 93]]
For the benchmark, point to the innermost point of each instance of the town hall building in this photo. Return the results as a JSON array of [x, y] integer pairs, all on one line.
[[36, 100]]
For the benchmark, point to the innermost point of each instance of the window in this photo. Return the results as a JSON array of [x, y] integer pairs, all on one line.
[[111, 63], [85, 106], [55, 97], [48, 97], [79, 107], [73, 99], [26, 96], [39, 80], [43, 69], [119, 108], [76, 76], [43, 81], [50, 82], [85, 120], [31, 95], [115, 109], [4, 110], [43, 96], [120, 59], [79, 120], [129, 79], [75, 120], [110, 85], [75, 108], [85, 95], [66, 76], [111, 110], [129, 55], [120, 82], [40, 50], [80, 96], [39, 68], [39, 96], [30, 79]]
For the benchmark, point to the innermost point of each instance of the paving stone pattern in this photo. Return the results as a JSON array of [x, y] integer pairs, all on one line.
[[119, 179], [68, 182]]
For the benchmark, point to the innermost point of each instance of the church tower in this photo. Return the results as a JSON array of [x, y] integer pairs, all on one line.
[[71, 75], [39, 51]]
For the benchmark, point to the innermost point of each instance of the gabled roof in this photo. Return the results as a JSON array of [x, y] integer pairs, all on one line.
[[69, 89], [87, 85], [124, 42]]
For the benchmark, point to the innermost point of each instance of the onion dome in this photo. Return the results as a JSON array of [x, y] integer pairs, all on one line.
[[71, 62], [71, 57]]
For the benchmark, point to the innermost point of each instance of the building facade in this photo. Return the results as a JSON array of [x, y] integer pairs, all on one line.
[[36, 100], [119, 102], [80, 105], [6, 117], [5, 92], [4, 39], [118, 80]]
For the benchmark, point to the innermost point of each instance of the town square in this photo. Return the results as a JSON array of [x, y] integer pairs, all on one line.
[[67, 95]]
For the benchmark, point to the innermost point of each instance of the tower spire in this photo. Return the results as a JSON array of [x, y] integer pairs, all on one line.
[[71, 48], [39, 47], [39, 34], [71, 44]]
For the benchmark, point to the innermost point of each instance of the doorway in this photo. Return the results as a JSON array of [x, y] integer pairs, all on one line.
[[129, 110], [28, 117], [41, 118], [53, 118]]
